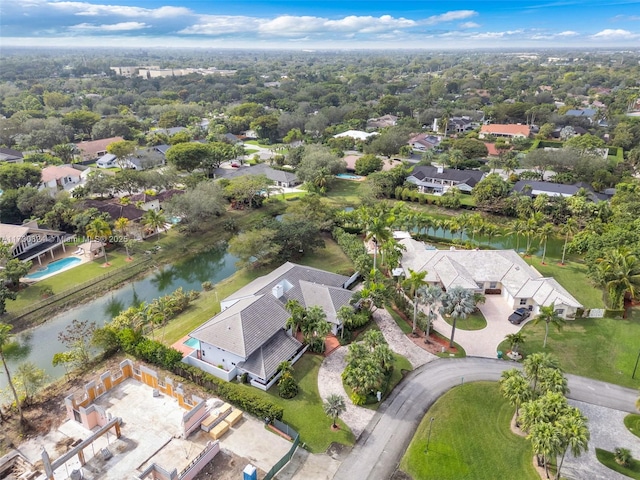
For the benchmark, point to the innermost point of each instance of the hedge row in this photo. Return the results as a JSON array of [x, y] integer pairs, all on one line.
[[231, 392]]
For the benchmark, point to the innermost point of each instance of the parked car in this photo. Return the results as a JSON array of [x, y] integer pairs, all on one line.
[[519, 316]]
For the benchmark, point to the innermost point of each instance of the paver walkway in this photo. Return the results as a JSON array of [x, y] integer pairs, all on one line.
[[330, 382], [399, 342]]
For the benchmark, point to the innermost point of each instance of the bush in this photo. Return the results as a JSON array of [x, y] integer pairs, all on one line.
[[156, 353], [358, 398], [207, 286], [287, 386]]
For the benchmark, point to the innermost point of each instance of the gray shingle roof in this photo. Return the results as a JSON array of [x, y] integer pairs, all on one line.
[[264, 361], [260, 169]]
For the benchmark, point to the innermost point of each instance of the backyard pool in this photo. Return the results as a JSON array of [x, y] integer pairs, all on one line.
[[349, 176], [55, 267], [192, 343]]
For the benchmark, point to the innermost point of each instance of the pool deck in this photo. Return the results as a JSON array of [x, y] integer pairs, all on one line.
[[60, 256], [181, 347]]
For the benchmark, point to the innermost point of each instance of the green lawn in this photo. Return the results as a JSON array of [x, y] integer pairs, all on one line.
[[304, 412], [632, 422], [470, 438], [330, 258], [608, 460], [475, 321], [344, 192], [573, 277], [601, 348], [404, 326]]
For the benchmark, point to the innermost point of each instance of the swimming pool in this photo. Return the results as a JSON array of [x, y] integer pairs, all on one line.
[[192, 343], [55, 267], [349, 176]]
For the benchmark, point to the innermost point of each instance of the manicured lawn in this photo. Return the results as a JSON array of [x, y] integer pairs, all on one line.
[[470, 438], [475, 321], [330, 258], [344, 192], [573, 277], [601, 348], [250, 151], [607, 459], [632, 422], [304, 412]]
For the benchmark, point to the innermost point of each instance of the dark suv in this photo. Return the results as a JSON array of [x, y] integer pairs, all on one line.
[[519, 316]]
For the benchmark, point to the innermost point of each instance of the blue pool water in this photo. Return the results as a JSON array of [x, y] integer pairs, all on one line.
[[349, 176], [54, 267], [192, 343]]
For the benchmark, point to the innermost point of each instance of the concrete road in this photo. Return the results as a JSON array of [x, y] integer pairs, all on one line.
[[379, 450]]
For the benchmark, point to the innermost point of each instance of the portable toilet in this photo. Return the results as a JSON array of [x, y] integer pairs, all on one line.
[[250, 473]]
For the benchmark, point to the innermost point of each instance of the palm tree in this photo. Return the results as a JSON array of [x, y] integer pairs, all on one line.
[[458, 303], [412, 283], [515, 340], [490, 230], [531, 228], [543, 234], [545, 440], [429, 296], [377, 230], [295, 321], [515, 388], [154, 220], [619, 271], [552, 380], [574, 435], [122, 225], [516, 228], [477, 224], [100, 230], [463, 220], [334, 406], [569, 229], [548, 315], [622, 456], [5, 340], [535, 364]]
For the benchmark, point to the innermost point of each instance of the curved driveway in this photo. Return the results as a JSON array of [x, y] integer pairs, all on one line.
[[386, 438]]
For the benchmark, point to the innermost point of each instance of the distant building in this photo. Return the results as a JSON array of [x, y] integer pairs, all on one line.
[[94, 149], [424, 141], [437, 180], [60, 177], [505, 130], [356, 135], [382, 122], [10, 155]]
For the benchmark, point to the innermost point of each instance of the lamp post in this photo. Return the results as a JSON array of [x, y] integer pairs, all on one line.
[[426, 450]]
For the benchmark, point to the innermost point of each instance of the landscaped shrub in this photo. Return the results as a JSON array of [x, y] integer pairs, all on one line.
[[207, 286], [157, 353], [287, 386], [357, 398]]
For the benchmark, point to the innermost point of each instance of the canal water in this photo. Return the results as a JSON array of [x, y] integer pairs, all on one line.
[[39, 344]]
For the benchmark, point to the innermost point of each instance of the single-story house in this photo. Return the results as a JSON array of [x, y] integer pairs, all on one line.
[[424, 141], [249, 335], [577, 130], [96, 148], [437, 180], [146, 201], [491, 272], [60, 177], [28, 241], [10, 155], [108, 160], [280, 178], [589, 113], [505, 130], [145, 158], [356, 135], [535, 188]]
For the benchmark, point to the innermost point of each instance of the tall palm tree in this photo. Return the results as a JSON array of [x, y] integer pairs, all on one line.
[[530, 230], [534, 366], [5, 340], [516, 228], [543, 234], [569, 229], [490, 230], [334, 406], [619, 271], [412, 283], [429, 296], [515, 388], [464, 221], [295, 321], [477, 224], [154, 220], [100, 230], [458, 303], [122, 225], [378, 230], [574, 435], [549, 316], [545, 440]]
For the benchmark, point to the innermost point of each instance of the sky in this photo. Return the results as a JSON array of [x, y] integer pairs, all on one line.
[[324, 24]]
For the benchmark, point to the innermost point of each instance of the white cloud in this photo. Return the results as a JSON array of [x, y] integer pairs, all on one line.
[[219, 24], [615, 34], [626, 18], [94, 10], [450, 16], [469, 25], [567, 33], [115, 27]]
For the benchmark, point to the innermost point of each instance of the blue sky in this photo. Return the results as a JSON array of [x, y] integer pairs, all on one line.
[[307, 24]]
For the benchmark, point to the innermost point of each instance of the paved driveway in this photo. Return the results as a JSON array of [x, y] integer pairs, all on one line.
[[484, 343]]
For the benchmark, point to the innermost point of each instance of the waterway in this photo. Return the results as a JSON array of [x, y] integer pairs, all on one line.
[[39, 344]]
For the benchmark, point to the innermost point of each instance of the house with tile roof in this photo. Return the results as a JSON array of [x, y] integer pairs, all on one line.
[[60, 177], [97, 148], [437, 180], [491, 272], [424, 141], [505, 130], [249, 336], [10, 155], [30, 242], [280, 178], [534, 188]]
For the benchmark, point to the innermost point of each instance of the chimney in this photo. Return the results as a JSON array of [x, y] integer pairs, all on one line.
[[278, 291], [440, 169]]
